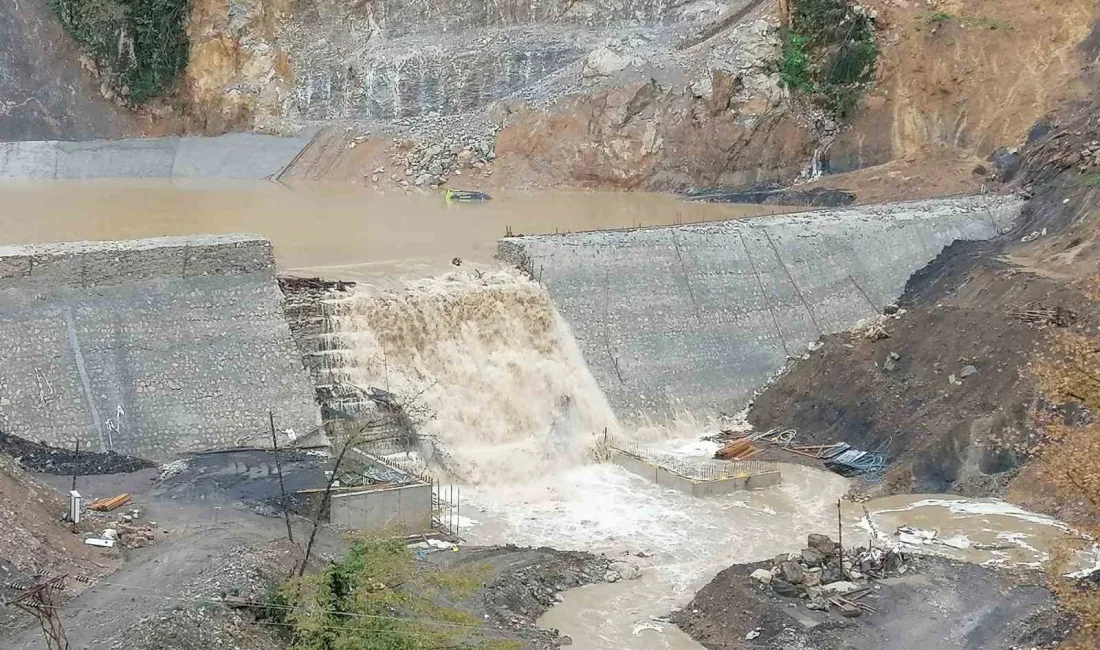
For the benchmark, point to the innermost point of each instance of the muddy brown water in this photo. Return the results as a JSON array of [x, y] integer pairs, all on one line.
[[356, 233], [685, 541], [342, 231]]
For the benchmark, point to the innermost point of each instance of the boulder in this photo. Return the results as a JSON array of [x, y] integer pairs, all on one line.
[[838, 588], [821, 543], [761, 575], [812, 578], [818, 603], [603, 62], [812, 557], [792, 571], [611, 576], [784, 588], [831, 574], [626, 570]]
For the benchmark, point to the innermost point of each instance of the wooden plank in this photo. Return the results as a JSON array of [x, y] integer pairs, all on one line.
[[106, 505]]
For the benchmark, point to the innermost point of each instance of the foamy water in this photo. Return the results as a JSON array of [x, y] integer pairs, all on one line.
[[492, 363], [518, 416]]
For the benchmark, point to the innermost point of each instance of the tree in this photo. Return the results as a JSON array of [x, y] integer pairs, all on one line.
[[1068, 374], [391, 413]]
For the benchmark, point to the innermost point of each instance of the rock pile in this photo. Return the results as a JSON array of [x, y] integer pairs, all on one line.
[[432, 164], [126, 532], [820, 572]]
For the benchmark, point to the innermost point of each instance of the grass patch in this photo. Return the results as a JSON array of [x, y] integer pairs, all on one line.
[[1091, 181], [461, 583], [374, 599], [936, 18], [140, 46], [829, 54]]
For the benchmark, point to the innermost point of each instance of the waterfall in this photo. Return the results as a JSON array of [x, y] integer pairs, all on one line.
[[488, 358]]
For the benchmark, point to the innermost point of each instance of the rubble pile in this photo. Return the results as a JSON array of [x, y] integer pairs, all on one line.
[[824, 575], [431, 165], [126, 531]]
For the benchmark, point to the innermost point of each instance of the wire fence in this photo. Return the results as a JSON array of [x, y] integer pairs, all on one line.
[[697, 470]]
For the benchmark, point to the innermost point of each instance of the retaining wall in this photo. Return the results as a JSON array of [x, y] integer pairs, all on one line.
[[698, 317], [407, 509], [667, 478], [147, 347], [236, 155]]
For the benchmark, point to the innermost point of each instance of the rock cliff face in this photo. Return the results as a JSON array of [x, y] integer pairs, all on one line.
[[273, 61], [620, 94], [44, 94], [725, 124]]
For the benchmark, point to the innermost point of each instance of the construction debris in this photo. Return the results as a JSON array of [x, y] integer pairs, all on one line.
[[740, 447], [737, 450], [840, 457], [107, 505], [826, 577], [844, 459]]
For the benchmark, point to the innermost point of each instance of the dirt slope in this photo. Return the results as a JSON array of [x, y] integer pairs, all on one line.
[[970, 74], [988, 305], [33, 541]]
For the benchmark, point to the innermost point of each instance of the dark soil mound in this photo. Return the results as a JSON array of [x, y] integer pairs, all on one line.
[[815, 197], [39, 457]]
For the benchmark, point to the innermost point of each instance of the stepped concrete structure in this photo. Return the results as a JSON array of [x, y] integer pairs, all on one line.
[[147, 347], [697, 318]]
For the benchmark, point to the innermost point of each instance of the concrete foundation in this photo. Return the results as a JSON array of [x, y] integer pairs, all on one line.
[[697, 317], [405, 510], [755, 475], [147, 347]]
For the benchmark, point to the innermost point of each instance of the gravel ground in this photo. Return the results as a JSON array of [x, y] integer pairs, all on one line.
[[939, 604]]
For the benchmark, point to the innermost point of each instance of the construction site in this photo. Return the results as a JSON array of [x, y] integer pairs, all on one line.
[[610, 325]]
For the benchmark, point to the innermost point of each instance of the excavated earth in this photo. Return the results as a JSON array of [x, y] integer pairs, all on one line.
[[987, 305], [948, 604]]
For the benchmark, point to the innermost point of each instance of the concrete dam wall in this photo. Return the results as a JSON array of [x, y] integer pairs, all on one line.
[[147, 347], [237, 155], [696, 318]]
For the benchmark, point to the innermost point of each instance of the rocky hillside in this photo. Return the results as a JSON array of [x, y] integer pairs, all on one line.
[[621, 95], [949, 386], [44, 92]]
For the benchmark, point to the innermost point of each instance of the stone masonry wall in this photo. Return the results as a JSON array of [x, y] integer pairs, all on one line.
[[147, 347], [698, 317]]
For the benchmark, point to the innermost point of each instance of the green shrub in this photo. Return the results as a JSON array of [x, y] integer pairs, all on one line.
[[794, 67], [829, 54], [140, 46], [375, 598]]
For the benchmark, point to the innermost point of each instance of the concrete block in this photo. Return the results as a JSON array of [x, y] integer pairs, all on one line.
[[28, 160], [151, 158]]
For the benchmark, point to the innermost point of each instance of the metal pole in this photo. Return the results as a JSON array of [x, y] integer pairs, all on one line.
[[840, 539], [279, 469], [76, 462]]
